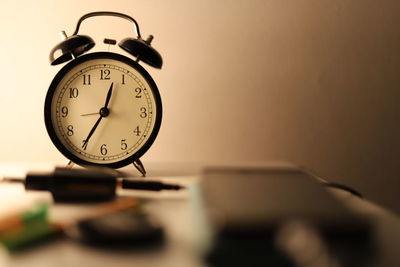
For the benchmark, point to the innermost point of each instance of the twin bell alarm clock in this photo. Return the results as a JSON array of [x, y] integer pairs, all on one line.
[[103, 108]]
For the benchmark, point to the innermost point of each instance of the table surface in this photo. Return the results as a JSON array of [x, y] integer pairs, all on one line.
[[178, 213]]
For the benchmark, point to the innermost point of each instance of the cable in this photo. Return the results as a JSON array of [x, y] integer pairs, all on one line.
[[343, 187], [334, 185]]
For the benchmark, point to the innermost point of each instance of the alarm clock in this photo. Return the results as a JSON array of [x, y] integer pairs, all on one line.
[[103, 108]]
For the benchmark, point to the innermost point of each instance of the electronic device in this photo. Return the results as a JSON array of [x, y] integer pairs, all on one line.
[[279, 216], [85, 184], [125, 228], [103, 108]]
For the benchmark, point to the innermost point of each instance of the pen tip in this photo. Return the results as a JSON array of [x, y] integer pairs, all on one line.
[[175, 187], [12, 180]]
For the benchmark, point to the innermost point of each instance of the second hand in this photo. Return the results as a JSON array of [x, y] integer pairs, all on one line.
[[88, 114]]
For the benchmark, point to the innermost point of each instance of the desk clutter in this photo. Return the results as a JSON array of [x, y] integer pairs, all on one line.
[[272, 216], [117, 221], [117, 224]]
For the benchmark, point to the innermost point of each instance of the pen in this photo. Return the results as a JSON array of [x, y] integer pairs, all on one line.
[[95, 184]]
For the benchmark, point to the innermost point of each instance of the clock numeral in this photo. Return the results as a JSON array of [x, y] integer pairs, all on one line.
[[124, 145], [103, 149], [105, 74], [86, 79], [137, 131], [70, 130], [73, 92], [138, 91], [64, 111], [143, 113], [123, 78]]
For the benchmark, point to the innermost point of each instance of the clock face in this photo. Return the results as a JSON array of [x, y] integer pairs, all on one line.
[[103, 108]]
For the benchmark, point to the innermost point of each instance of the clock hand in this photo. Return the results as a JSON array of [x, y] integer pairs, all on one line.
[[109, 95], [88, 114], [104, 112], [86, 141]]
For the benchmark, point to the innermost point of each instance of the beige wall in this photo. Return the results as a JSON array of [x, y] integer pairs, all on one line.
[[313, 82]]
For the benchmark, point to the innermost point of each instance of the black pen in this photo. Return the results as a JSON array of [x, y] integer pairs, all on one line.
[[91, 184]]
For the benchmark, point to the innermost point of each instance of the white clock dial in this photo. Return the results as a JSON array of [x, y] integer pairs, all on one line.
[[103, 110]]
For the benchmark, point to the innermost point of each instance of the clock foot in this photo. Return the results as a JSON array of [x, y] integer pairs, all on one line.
[[70, 165], [139, 166]]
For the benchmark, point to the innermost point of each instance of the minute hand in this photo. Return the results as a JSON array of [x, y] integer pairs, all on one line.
[[86, 141]]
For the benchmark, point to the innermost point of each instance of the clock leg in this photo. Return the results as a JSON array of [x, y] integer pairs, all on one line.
[[139, 166], [70, 165]]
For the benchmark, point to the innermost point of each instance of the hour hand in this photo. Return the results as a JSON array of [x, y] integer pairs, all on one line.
[[109, 95]]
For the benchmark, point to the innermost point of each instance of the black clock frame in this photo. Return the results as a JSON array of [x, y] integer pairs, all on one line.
[[49, 98]]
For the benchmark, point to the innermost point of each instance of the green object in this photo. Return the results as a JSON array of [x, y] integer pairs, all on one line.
[[37, 214], [34, 228]]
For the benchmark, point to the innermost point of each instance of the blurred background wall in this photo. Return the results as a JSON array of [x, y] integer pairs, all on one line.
[[312, 82]]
